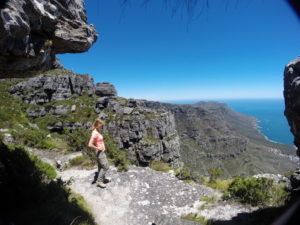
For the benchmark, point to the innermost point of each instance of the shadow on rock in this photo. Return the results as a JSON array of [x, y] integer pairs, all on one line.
[[283, 215], [29, 196]]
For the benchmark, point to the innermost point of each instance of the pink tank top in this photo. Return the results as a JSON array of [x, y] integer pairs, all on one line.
[[97, 139]]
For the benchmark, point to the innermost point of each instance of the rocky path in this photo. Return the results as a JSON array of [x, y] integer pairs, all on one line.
[[142, 196], [139, 196]]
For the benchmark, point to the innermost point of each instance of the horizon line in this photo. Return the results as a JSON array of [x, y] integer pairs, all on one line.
[[213, 99]]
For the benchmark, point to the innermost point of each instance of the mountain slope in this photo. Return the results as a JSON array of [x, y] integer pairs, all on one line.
[[202, 136]]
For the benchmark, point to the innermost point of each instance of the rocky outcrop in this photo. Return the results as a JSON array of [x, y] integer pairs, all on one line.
[[48, 88], [146, 134], [33, 31], [292, 98], [105, 89]]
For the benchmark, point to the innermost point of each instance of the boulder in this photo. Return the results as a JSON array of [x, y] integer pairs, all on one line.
[[105, 89]]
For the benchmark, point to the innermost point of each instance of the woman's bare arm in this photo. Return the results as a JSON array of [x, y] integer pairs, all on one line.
[[91, 145]]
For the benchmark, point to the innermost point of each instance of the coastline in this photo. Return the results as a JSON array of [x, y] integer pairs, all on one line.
[[253, 108], [257, 127]]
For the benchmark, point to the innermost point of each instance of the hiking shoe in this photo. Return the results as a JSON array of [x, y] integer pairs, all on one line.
[[106, 180], [101, 184]]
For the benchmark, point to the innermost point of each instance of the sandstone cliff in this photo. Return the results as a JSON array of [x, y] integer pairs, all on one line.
[[33, 31]]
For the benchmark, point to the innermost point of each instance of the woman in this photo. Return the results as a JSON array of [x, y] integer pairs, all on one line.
[[96, 142]]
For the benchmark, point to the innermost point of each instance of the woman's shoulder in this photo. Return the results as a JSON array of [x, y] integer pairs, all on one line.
[[95, 132]]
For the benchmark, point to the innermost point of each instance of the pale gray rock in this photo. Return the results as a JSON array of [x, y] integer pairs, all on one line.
[[73, 108], [139, 196], [127, 110], [277, 178], [60, 126], [7, 137], [33, 31], [59, 110], [47, 88], [103, 116], [145, 134], [105, 89], [54, 158]]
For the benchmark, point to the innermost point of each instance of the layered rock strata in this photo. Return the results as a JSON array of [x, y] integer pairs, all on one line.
[[146, 134], [47, 88], [33, 31]]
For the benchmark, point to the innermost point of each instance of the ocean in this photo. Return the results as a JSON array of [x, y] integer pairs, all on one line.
[[270, 113]]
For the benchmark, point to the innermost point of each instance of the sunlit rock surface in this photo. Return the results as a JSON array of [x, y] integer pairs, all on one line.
[[33, 31]]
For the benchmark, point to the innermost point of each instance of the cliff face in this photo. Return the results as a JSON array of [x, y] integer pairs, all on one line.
[[213, 135], [292, 98], [202, 136], [65, 99], [146, 134], [33, 31]]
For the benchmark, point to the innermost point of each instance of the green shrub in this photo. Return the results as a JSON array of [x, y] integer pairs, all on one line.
[[149, 140], [279, 195], [159, 166], [34, 138], [45, 168], [47, 143], [114, 154], [221, 185], [79, 200], [208, 199], [214, 173], [288, 173], [77, 139], [48, 43], [78, 160], [11, 113], [184, 174], [196, 218], [256, 191]]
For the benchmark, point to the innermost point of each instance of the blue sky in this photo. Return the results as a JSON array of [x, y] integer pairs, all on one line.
[[232, 49]]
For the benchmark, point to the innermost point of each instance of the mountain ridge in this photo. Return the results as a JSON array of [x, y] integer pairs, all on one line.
[[204, 135]]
